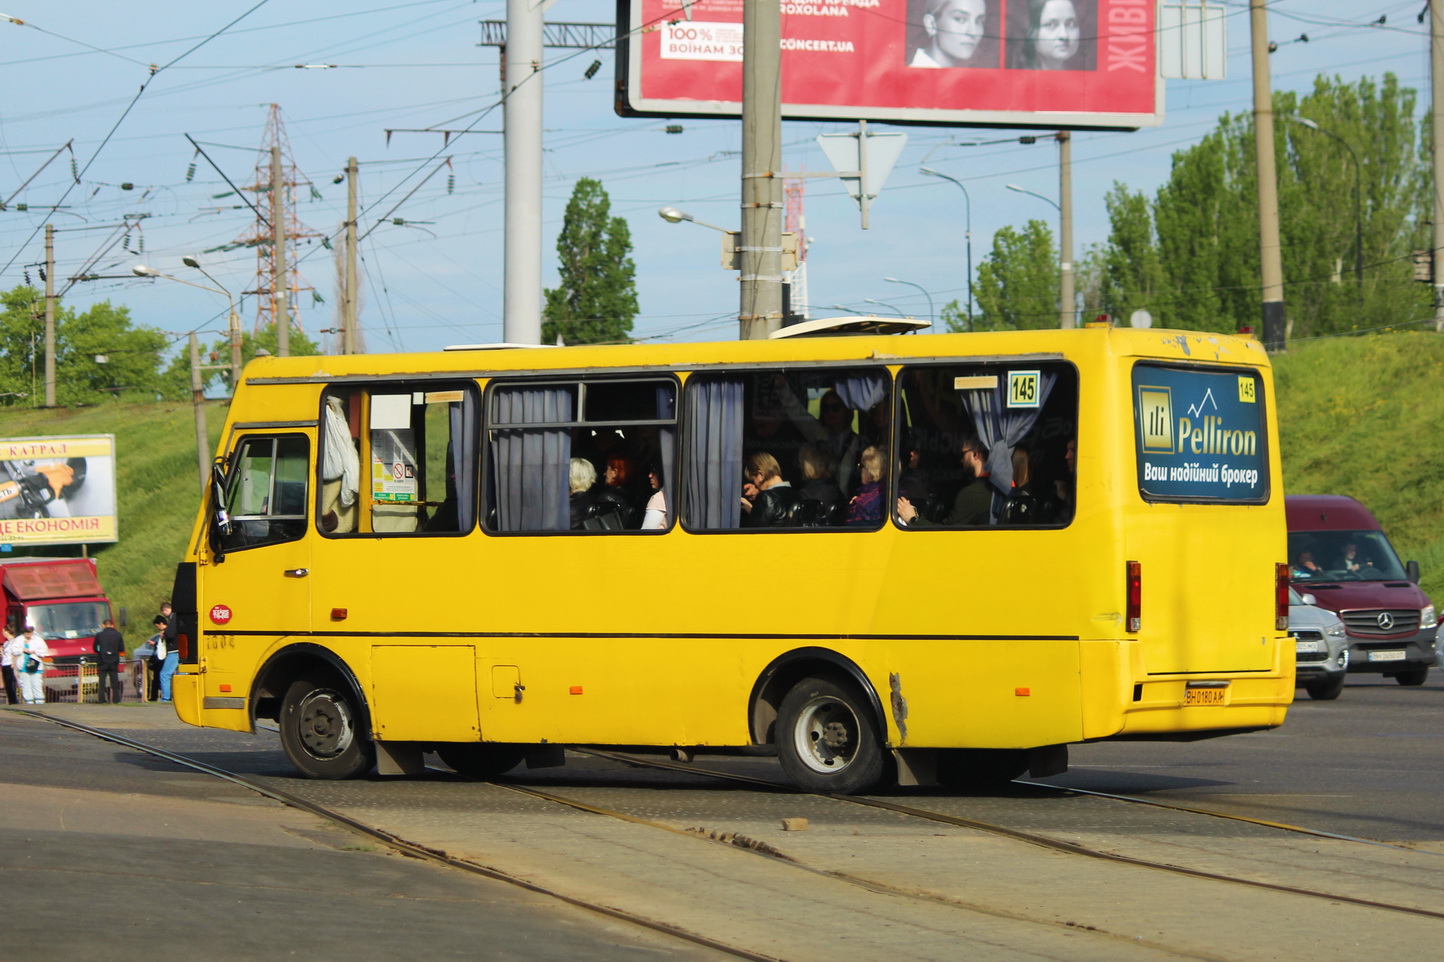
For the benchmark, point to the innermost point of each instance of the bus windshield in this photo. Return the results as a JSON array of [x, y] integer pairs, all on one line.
[[1343, 556], [79, 619]]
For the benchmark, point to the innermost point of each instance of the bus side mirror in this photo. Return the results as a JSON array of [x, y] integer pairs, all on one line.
[[1411, 568], [220, 520]]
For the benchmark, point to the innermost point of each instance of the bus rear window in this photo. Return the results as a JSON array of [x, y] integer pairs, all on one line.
[[1200, 434]]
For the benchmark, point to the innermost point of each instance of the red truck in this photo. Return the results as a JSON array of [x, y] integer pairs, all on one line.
[[61, 597]]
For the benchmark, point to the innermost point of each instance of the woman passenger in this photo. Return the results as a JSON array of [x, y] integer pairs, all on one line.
[[767, 500], [866, 505], [617, 488], [580, 478], [655, 516]]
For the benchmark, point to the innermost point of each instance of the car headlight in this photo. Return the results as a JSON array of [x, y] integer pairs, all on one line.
[[1336, 630], [1426, 617]]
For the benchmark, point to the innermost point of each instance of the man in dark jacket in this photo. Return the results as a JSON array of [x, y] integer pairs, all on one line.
[[109, 648]]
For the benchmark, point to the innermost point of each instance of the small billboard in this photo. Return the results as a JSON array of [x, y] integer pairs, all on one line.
[[57, 490], [1008, 63]]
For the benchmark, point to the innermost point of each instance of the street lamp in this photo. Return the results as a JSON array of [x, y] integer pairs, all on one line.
[[674, 216], [198, 395], [892, 307], [932, 315], [1066, 307], [1358, 200], [233, 322], [967, 231]]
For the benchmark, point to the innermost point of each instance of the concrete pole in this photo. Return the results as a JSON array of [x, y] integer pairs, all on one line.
[[198, 402], [760, 312], [280, 279], [349, 339], [233, 328], [1436, 84], [521, 64], [1275, 328], [1067, 306], [49, 315]]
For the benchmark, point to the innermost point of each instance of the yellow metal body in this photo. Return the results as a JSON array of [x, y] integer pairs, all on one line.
[[989, 638]]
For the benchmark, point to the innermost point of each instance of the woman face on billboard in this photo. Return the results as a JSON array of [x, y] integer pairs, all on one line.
[[1055, 33], [955, 28]]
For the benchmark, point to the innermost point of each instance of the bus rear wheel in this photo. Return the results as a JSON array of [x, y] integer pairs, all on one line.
[[479, 760], [320, 731], [827, 740], [975, 769]]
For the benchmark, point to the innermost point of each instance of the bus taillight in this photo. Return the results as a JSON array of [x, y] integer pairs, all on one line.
[[1134, 613], [1281, 597]]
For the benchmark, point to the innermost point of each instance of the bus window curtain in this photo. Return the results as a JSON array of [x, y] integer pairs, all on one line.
[[667, 441], [531, 463], [1002, 428], [862, 392], [462, 415], [713, 485]]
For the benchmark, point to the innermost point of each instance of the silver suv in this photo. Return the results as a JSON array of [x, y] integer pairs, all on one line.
[[1321, 645]]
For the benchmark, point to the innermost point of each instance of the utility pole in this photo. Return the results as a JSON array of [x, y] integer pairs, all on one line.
[[198, 402], [1067, 301], [49, 315], [281, 283], [1275, 327], [1436, 83], [349, 340], [522, 90], [760, 312]]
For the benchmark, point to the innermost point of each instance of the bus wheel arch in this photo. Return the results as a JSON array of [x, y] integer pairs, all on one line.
[[323, 717], [790, 668]]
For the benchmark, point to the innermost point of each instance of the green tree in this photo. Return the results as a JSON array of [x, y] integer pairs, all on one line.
[[1196, 265], [1017, 286], [99, 355], [597, 298], [217, 357]]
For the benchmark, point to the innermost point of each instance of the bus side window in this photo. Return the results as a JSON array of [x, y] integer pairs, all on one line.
[[267, 493], [411, 469]]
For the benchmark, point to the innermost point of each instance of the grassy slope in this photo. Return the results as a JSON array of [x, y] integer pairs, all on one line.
[[1356, 417], [157, 486]]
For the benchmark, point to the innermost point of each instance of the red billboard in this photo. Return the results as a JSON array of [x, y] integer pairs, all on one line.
[[1014, 63]]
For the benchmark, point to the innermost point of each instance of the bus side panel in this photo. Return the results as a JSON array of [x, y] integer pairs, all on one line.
[[424, 693]]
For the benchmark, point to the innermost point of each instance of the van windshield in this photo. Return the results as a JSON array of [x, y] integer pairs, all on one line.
[[1343, 556], [71, 620]]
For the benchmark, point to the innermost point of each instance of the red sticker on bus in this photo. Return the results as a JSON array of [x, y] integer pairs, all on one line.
[[220, 614]]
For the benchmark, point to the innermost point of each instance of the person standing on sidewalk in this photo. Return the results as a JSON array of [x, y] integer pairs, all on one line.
[[27, 654], [109, 648], [7, 670], [165, 621]]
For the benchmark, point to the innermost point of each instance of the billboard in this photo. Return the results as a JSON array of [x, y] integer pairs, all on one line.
[[1012, 63], [57, 490]]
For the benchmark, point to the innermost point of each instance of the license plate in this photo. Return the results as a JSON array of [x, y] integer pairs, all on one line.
[[1307, 647], [1205, 696], [1390, 655]]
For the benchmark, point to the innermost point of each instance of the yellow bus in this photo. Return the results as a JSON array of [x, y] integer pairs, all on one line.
[[923, 559]]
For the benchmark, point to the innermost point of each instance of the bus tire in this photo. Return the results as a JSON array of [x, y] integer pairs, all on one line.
[[481, 761], [1325, 690], [1414, 676], [320, 731], [975, 769], [827, 740]]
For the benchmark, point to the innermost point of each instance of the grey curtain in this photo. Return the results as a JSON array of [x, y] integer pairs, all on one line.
[[1002, 428], [530, 464], [667, 441], [713, 482], [861, 391], [463, 460]]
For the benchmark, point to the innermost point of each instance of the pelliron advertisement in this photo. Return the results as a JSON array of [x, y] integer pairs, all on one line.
[[57, 490], [1201, 434], [1051, 63]]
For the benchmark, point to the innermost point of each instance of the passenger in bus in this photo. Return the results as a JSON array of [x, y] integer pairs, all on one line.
[[832, 429], [767, 500], [340, 471], [619, 488], [655, 516], [1022, 506], [1306, 567], [865, 509], [818, 470], [973, 504], [581, 476]]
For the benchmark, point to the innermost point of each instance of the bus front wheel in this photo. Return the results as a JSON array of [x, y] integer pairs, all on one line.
[[827, 740], [320, 731]]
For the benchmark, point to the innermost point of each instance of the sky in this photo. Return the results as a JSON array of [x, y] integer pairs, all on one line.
[[130, 91]]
